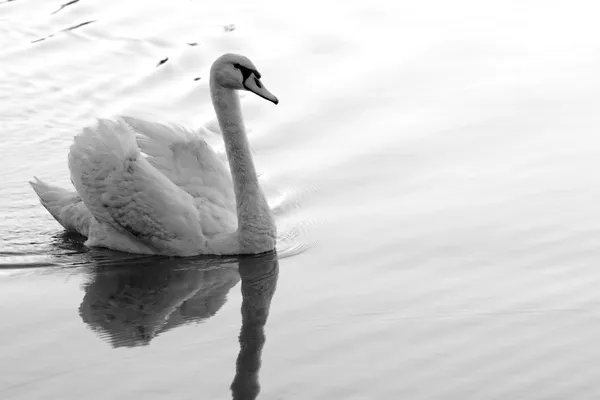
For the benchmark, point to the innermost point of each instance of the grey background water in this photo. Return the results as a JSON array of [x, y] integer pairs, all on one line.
[[433, 166]]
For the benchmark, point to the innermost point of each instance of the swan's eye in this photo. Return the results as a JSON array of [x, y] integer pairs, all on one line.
[[257, 82], [238, 66]]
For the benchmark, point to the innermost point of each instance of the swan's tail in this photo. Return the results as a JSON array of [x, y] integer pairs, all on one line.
[[99, 155], [65, 206]]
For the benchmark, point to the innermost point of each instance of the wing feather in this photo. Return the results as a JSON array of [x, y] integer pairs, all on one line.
[[187, 160], [122, 189]]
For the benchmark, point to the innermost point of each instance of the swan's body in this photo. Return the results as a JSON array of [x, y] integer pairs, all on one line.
[[148, 188]]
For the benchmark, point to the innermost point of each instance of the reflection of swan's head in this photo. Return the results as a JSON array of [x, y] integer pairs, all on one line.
[[233, 71]]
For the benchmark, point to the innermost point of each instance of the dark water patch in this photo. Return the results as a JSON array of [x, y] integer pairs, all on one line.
[[70, 242], [14, 253], [26, 265], [161, 62], [78, 26], [65, 5], [13, 260], [71, 28]]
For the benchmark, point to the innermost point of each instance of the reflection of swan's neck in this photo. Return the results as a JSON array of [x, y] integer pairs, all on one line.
[[259, 280], [254, 217], [252, 339]]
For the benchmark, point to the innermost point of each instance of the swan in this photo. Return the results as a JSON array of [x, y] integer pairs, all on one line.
[[148, 188]]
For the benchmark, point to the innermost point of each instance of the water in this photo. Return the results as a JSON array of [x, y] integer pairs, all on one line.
[[433, 167]]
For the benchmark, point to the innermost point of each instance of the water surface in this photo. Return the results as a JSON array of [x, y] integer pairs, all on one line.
[[432, 166]]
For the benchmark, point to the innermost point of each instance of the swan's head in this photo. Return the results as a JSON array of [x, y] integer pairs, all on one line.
[[233, 71]]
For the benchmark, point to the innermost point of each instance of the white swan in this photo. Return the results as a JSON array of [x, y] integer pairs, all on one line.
[[154, 189]]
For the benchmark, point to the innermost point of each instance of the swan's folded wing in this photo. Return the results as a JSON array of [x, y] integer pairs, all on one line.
[[187, 160], [122, 189]]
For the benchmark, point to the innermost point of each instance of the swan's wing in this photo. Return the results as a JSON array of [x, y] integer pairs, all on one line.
[[123, 190], [187, 160]]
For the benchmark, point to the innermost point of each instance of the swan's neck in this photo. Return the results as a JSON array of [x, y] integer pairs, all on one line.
[[227, 107], [255, 223]]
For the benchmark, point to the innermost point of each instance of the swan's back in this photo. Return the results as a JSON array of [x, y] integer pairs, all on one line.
[[187, 160]]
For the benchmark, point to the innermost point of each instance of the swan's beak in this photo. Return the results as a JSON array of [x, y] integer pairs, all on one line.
[[254, 85]]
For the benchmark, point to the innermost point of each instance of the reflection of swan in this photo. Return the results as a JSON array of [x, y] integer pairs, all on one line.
[[178, 199], [131, 303], [259, 279]]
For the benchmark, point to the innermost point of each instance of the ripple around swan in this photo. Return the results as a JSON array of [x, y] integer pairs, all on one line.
[[296, 228], [296, 239]]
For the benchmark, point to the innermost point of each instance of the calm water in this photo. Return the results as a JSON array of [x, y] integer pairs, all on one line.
[[434, 171]]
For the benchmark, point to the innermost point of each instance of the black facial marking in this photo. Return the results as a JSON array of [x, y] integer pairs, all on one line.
[[246, 72]]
